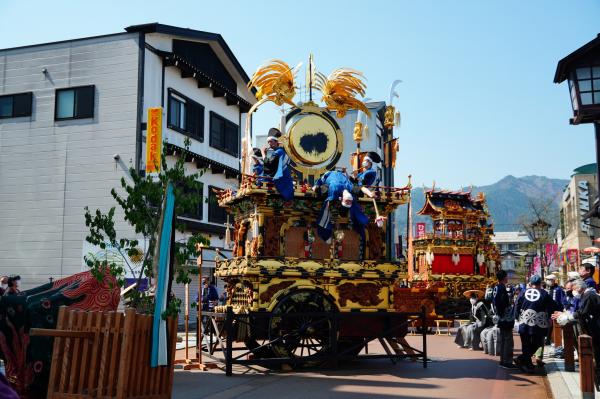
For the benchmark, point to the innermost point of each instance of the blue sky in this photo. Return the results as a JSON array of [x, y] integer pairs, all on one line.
[[477, 97]]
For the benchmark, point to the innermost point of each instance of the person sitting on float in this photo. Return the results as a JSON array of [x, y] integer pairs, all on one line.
[[276, 165], [257, 166], [368, 176], [337, 186]]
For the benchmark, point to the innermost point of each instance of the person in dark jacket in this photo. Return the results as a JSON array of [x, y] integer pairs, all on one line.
[[568, 300], [533, 308], [505, 321], [210, 296], [586, 271], [556, 291], [557, 294], [469, 336], [276, 164], [3, 284], [13, 285], [588, 317]]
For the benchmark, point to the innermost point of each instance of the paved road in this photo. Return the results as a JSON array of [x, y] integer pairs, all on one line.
[[454, 373]]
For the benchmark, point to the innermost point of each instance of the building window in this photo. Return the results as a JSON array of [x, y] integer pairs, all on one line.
[[15, 105], [589, 85], [198, 211], [379, 142], [185, 115], [224, 135], [216, 214], [74, 103], [508, 264]]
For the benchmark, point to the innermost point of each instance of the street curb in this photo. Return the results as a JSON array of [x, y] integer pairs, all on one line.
[[563, 384]]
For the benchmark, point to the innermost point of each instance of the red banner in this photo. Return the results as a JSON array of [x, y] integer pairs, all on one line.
[[537, 266], [421, 233], [552, 257], [573, 256]]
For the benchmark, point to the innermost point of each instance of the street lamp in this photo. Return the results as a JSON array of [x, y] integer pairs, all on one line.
[[582, 69], [538, 232]]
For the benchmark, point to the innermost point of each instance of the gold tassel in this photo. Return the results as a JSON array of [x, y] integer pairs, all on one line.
[[357, 136]]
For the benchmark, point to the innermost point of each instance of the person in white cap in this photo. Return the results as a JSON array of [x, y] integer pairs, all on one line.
[[276, 165]]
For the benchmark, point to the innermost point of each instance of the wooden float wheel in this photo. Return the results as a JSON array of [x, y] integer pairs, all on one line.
[[294, 332]]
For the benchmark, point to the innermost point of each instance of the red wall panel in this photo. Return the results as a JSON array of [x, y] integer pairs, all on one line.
[[443, 264]]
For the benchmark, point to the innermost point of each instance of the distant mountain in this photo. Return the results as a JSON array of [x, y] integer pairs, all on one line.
[[507, 199]]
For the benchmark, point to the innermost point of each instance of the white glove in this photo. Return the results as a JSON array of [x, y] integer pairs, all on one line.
[[564, 318]]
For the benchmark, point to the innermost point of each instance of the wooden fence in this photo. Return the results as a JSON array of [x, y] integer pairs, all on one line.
[[107, 354]]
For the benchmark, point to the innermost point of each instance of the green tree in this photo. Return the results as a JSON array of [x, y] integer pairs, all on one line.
[[141, 205]]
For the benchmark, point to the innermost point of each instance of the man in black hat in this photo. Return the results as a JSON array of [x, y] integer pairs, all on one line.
[[534, 308], [368, 176]]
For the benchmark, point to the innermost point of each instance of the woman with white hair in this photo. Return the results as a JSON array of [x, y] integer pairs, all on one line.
[[587, 315]]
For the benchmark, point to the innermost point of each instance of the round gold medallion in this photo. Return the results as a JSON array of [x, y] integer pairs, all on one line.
[[314, 140]]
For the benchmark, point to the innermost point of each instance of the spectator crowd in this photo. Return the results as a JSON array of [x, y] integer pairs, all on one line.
[[531, 310]]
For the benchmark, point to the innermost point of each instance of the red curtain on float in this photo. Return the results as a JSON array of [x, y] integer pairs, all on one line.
[[443, 264]]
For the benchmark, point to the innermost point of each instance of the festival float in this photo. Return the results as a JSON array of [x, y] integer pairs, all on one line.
[[456, 256], [310, 275]]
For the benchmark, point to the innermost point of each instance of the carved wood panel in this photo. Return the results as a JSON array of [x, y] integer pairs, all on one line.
[[375, 242], [272, 230], [351, 245], [294, 242]]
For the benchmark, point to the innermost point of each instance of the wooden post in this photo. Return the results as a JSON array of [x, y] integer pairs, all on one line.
[[333, 336], [569, 347], [196, 363], [229, 342], [586, 366], [556, 334], [125, 361], [424, 322]]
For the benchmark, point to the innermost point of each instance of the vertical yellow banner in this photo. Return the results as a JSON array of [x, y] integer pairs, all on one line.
[[154, 140]]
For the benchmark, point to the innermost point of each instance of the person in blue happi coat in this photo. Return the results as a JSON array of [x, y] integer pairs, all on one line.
[[336, 186], [368, 176], [533, 310], [276, 164]]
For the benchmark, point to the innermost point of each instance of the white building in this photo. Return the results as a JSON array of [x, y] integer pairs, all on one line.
[[578, 232], [73, 120], [514, 247]]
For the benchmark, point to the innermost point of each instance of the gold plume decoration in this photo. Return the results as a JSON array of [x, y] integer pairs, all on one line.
[[340, 90], [274, 81]]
